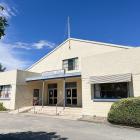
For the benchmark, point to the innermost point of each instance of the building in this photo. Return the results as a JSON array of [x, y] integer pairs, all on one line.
[[77, 73]]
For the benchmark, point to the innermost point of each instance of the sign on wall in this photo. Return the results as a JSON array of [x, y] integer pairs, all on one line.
[[54, 72]]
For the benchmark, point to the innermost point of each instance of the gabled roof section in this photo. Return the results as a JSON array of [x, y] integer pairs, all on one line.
[[48, 54], [80, 40], [102, 43]]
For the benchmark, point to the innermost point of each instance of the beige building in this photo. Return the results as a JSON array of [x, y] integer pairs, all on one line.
[[78, 73]]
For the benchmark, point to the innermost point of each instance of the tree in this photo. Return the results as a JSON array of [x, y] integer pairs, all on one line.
[[2, 69], [3, 22]]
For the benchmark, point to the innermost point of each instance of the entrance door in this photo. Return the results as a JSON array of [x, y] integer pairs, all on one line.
[[71, 94], [52, 94], [36, 97]]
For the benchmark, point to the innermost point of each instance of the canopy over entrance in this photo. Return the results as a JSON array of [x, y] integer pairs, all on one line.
[[53, 75]]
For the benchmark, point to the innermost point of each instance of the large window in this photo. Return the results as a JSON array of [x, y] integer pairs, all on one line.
[[111, 91], [5, 92], [70, 64]]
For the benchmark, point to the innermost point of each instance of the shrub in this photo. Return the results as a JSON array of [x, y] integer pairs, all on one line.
[[125, 111], [2, 108]]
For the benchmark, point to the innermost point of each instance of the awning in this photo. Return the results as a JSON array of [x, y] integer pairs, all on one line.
[[111, 78], [54, 76]]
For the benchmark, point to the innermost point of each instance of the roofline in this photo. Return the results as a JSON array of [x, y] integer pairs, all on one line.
[[47, 54], [80, 40], [102, 43]]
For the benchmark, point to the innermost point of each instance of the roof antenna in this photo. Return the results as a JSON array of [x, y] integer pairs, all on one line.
[[69, 33], [68, 27]]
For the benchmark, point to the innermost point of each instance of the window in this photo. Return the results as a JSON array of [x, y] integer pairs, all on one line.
[[52, 86], [5, 92], [111, 91], [70, 64], [36, 93], [71, 85]]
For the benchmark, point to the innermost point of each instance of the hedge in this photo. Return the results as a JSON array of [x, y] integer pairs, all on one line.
[[125, 111], [2, 108]]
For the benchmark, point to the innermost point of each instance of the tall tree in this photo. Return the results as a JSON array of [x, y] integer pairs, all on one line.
[[2, 69], [3, 22]]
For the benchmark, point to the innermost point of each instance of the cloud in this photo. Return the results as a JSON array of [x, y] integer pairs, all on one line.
[[10, 59], [8, 11], [10, 53], [37, 45], [43, 43], [21, 45]]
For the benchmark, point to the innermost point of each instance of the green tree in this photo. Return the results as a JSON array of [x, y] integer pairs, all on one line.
[[2, 69], [3, 22]]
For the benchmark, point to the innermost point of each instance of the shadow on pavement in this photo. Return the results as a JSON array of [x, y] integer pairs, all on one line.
[[31, 136]]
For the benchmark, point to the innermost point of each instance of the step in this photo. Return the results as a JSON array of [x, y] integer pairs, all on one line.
[[51, 110], [21, 110]]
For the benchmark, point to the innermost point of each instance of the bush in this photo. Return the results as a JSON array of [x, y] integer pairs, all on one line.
[[2, 108], [125, 111]]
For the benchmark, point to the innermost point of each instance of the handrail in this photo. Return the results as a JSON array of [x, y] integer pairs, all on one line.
[[34, 104], [59, 103]]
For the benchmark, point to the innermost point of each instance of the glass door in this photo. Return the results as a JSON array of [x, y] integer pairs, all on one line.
[[74, 96], [52, 94], [68, 96], [71, 94]]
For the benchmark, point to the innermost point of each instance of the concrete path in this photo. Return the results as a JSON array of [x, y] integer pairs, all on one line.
[[25, 126]]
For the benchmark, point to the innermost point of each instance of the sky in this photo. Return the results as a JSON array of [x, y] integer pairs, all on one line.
[[38, 26]]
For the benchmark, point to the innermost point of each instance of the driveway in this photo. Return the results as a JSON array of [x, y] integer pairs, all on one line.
[[41, 127]]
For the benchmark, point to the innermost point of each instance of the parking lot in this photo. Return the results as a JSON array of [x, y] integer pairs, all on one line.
[[27, 126]]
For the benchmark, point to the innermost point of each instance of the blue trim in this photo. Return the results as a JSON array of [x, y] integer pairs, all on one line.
[[105, 100]]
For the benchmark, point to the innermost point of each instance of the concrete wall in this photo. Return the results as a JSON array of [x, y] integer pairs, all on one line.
[[119, 62], [20, 90], [9, 78], [78, 48], [24, 90]]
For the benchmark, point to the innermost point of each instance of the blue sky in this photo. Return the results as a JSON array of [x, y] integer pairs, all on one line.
[[38, 26]]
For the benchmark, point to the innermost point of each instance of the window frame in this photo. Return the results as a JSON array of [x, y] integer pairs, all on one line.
[[4, 91], [108, 99], [65, 64]]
